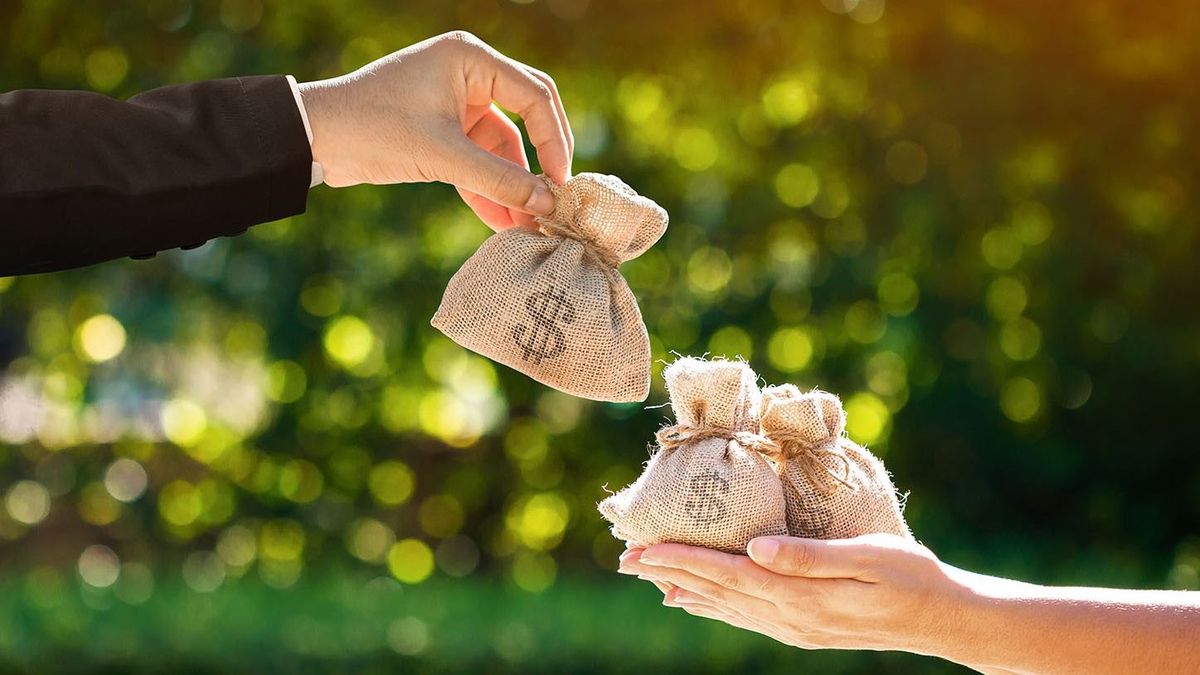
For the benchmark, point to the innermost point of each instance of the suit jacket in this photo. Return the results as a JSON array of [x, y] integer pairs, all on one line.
[[86, 178]]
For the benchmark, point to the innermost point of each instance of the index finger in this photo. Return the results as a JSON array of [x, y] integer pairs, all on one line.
[[511, 85], [735, 572]]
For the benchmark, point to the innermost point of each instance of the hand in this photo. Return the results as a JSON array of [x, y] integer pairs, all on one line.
[[426, 113], [872, 592], [883, 592]]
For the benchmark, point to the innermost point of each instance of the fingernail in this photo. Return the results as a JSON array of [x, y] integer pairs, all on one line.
[[763, 549], [630, 554], [541, 201], [648, 559]]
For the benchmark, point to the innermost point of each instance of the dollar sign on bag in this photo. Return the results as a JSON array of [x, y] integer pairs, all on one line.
[[545, 339], [809, 517], [704, 504]]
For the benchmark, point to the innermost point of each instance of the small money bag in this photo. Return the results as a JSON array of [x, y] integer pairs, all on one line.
[[707, 484], [552, 304], [833, 487]]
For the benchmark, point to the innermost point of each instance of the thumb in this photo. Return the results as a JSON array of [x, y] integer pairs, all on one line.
[[792, 556], [476, 170]]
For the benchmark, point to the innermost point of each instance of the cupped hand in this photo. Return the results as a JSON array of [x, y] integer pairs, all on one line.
[[429, 113], [876, 592]]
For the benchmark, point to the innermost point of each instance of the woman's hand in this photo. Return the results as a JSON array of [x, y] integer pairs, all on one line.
[[426, 113], [883, 592], [873, 592]]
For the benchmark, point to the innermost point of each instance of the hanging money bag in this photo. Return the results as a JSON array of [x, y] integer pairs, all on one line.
[[834, 488], [707, 483], [552, 304]]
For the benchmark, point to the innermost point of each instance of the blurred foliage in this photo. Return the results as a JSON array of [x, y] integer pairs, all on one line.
[[974, 221], [344, 623]]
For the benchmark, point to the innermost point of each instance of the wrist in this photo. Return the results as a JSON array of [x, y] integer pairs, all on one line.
[[953, 610], [323, 102], [983, 608], [964, 630]]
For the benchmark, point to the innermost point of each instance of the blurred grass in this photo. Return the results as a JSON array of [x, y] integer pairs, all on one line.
[[345, 623]]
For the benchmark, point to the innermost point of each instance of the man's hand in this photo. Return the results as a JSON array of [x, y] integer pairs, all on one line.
[[427, 113], [872, 592]]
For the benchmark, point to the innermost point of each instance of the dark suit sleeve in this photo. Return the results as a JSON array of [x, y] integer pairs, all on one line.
[[86, 178]]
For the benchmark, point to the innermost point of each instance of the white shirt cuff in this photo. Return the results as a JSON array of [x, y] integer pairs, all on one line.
[[318, 173]]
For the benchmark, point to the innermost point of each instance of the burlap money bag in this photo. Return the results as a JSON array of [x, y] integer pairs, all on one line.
[[551, 303], [706, 484], [834, 488]]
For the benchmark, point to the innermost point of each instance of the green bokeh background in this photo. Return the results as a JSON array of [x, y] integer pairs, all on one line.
[[975, 221]]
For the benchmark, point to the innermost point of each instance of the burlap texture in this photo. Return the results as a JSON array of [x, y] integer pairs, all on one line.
[[705, 485], [551, 303], [833, 487]]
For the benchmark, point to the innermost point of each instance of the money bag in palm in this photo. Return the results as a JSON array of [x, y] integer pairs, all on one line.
[[707, 483], [551, 303], [834, 488]]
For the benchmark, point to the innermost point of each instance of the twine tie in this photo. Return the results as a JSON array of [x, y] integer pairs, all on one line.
[[591, 249], [791, 445], [673, 436]]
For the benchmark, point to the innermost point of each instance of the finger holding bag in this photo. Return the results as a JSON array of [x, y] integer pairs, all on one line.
[[551, 303]]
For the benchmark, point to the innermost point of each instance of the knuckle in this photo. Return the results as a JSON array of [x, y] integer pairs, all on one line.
[[543, 98], [801, 559], [795, 606], [728, 579], [869, 557], [766, 586], [819, 598], [540, 102], [716, 594], [509, 185], [544, 77], [463, 37]]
